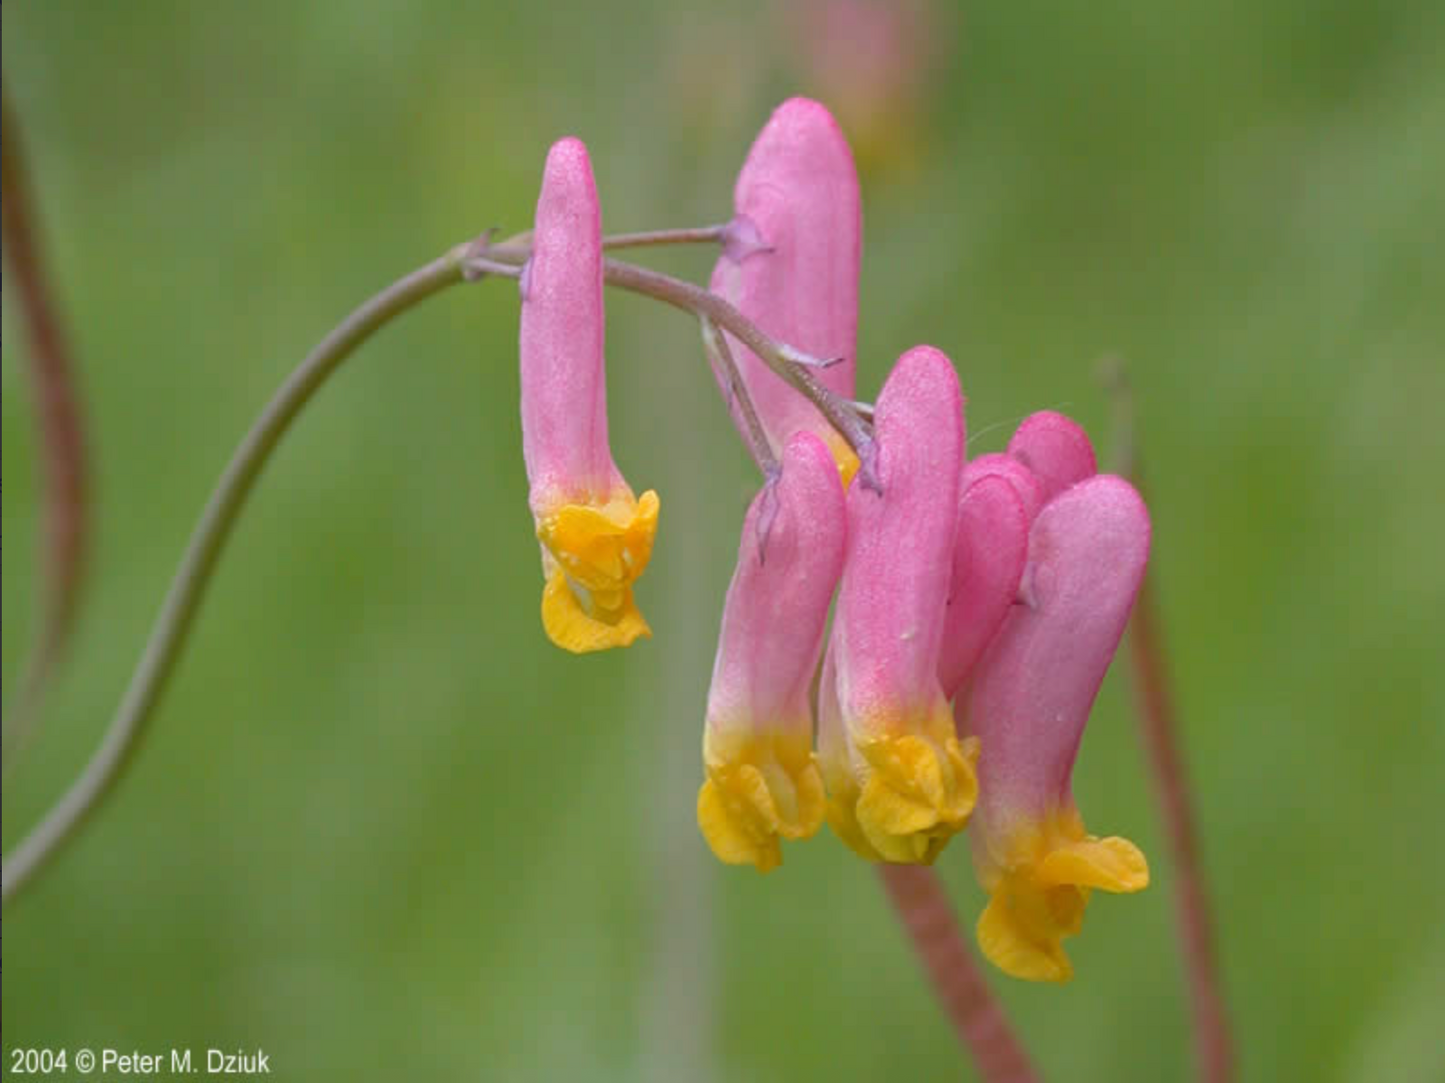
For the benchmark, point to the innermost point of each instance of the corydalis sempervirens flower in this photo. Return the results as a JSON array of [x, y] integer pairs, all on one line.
[[1030, 696], [596, 535], [900, 782], [762, 784], [791, 265]]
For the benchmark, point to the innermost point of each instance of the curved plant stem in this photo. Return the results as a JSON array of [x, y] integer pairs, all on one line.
[[927, 914], [62, 439], [790, 363], [1158, 730], [189, 585]]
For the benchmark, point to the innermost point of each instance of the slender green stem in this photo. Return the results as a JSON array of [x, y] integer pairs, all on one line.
[[191, 579]]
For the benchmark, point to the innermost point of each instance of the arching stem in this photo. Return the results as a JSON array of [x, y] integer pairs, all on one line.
[[167, 637]]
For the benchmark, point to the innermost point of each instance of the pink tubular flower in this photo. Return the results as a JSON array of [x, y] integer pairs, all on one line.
[[900, 781], [762, 783], [1056, 450], [791, 264], [596, 536], [1029, 698], [989, 551]]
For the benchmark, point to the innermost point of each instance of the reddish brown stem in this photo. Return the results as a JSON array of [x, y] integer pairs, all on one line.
[[926, 912], [62, 440], [1158, 728]]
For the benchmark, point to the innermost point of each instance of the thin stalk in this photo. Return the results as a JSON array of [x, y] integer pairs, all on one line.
[[655, 237], [65, 524], [188, 587], [926, 913], [650, 238], [720, 355], [1159, 732], [791, 364]]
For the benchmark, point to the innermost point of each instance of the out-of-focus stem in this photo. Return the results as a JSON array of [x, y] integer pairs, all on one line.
[[927, 914], [62, 438], [1158, 729], [194, 574]]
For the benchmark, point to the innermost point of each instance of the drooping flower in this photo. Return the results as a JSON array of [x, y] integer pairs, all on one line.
[[596, 535], [1056, 450], [1027, 702], [989, 551], [762, 784], [1000, 495], [792, 264], [900, 781]]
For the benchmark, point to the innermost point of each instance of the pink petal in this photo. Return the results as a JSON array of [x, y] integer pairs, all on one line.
[[1026, 485], [1056, 449], [1031, 694], [900, 545], [777, 605], [564, 392], [792, 262], [989, 552]]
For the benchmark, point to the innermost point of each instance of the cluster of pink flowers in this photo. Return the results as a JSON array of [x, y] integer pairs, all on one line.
[[978, 602]]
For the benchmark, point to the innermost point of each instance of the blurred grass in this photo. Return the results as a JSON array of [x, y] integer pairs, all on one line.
[[382, 829]]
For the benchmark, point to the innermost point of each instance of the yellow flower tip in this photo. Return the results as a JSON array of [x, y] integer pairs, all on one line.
[[1112, 864], [1019, 934], [843, 820], [580, 625], [918, 795], [762, 790], [595, 555], [843, 455], [1040, 899]]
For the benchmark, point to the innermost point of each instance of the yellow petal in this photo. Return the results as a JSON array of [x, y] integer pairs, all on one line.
[[760, 787], [918, 794], [602, 547], [595, 554], [1013, 944], [1040, 889], [1111, 864], [569, 625]]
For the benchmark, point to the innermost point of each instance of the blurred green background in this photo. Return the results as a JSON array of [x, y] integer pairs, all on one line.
[[381, 829]]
